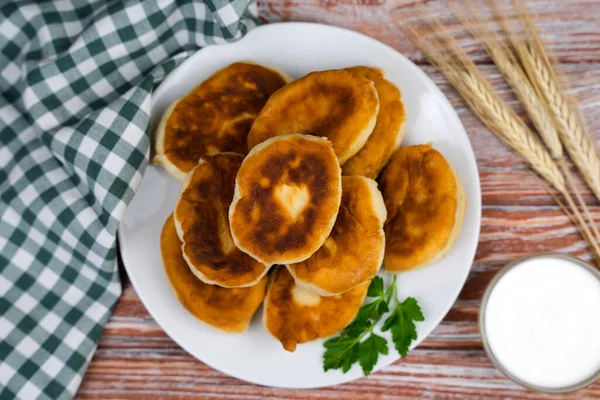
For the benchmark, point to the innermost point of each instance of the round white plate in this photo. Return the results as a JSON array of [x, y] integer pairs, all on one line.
[[297, 49]]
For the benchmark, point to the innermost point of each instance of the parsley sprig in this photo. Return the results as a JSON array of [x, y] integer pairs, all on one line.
[[359, 343]]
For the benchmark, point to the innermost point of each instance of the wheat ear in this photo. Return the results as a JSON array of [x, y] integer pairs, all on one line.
[[570, 126], [537, 65], [466, 78], [515, 76], [530, 98]]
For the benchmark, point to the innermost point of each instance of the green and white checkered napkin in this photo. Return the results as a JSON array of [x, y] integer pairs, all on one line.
[[76, 80]]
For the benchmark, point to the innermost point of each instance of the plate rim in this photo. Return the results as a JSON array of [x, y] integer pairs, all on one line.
[[163, 87]]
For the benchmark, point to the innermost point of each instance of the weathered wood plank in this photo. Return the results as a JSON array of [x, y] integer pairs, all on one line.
[[493, 154], [570, 27], [136, 359], [425, 373]]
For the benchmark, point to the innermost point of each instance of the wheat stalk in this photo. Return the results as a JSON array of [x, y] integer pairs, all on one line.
[[498, 117], [572, 132], [566, 209], [580, 200], [516, 78], [466, 78], [538, 67], [445, 53], [570, 126]]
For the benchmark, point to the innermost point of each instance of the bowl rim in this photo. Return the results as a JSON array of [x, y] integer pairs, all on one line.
[[483, 334]]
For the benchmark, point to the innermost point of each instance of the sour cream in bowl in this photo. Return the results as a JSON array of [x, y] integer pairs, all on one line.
[[540, 322]]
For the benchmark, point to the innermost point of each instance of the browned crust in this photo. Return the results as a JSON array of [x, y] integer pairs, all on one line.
[[334, 104], [201, 217], [215, 116], [261, 224], [389, 129], [293, 323], [230, 310], [353, 252], [425, 204]]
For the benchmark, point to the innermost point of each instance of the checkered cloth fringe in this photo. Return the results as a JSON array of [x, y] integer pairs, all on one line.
[[76, 79]]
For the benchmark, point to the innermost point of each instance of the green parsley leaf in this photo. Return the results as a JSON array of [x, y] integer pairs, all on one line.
[[382, 308], [375, 287], [356, 328], [359, 344], [377, 308], [341, 353], [368, 311], [402, 324], [351, 359], [369, 350]]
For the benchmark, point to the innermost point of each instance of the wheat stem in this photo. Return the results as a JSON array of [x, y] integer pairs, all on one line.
[[566, 118], [535, 105], [537, 69], [466, 78], [446, 54], [516, 78], [585, 233], [586, 210]]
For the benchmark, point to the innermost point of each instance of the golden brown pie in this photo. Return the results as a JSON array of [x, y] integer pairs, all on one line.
[[287, 196], [230, 310], [389, 129], [353, 252], [214, 117], [201, 218], [425, 203], [294, 315], [334, 104]]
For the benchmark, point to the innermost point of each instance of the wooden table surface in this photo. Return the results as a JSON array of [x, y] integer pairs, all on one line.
[[136, 359]]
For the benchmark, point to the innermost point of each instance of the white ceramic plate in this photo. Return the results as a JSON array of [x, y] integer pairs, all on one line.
[[297, 49]]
